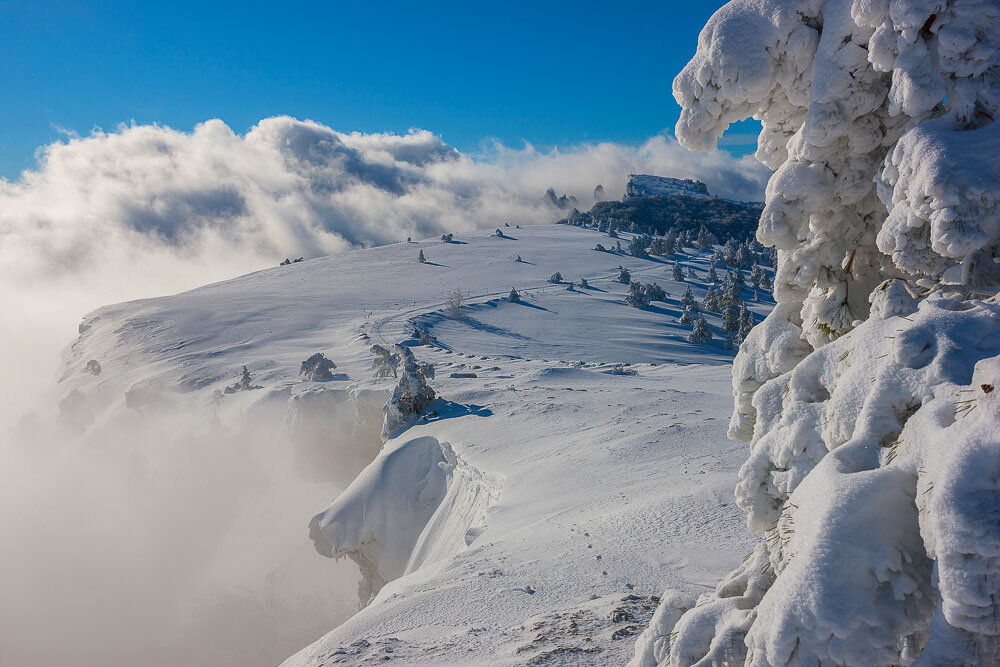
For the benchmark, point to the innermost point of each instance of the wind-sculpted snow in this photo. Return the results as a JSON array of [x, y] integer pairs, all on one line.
[[414, 505], [868, 394]]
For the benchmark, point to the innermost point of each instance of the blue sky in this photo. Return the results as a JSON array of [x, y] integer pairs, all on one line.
[[547, 73]]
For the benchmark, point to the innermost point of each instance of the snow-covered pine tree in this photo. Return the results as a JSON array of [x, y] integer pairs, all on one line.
[[317, 368], [385, 363], [700, 333], [868, 394], [618, 247], [514, 296], [712, 276], [624, 276], [584, 284], [556, 278], [654, 292], [421, 258], [687, 299], [678, 272], [691, 275], [711, 300], [637, 248], [411, 395], [598, 248], [704, 240], [687, 316], [636, 297]]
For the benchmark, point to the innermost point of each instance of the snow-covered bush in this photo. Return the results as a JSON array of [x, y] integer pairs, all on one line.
[[600, 248], [556, 278], [868, 394], [317, 368], [677, 273], [411, 396], [447, 238], [385, 363], [93, 367], [245, 383], [622, 369], [514, 296], [624, 276], [421, 258], [584, 284]]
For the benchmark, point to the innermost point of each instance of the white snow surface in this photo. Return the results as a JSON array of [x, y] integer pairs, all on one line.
[[537, 511], [646, 185]]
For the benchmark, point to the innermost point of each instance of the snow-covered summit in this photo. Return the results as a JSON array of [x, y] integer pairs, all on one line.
[[646, 185]]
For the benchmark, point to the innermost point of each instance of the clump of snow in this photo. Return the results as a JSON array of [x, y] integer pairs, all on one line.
[[867, 394], [415, 504]]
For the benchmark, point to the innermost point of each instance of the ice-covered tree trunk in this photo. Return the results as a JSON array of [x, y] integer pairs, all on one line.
[[870, 394]]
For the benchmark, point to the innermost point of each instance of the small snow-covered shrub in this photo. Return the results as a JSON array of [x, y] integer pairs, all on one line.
[[514, 296], [317, 368], [447, 238], [245, 383], [411, 395], [421, 258], [556, 278], [600, 248], [622, 369], [93, 367], [584, 284], [454, 303], [624, 276]]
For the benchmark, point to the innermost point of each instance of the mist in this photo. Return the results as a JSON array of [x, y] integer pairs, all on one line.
[[178, 536]]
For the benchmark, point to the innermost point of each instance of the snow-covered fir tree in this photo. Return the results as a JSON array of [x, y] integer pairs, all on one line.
[[687, 299], [710, 301], [677, 273], [654, 292], [411, 395], [637, 248], [700, 333], [385, 362], [317, 368], [712, 276], [636, 296], [421, 258], [879, 544], [624, 276], [514, 296]]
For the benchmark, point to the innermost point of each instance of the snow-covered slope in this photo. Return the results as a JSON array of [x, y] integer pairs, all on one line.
[[534, 515], [646, 185]]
